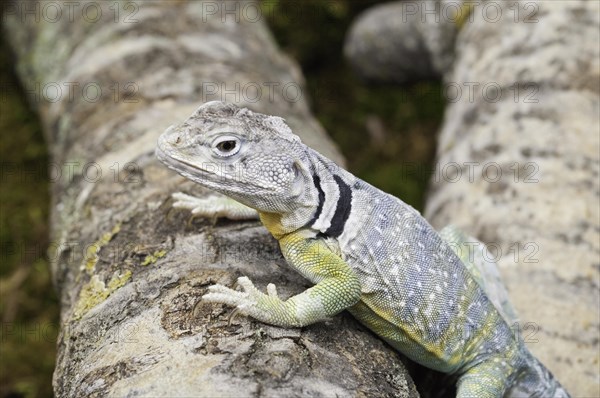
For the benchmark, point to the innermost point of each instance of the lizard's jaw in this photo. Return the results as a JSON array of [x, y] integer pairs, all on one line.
[[161, 154], [171, 157]]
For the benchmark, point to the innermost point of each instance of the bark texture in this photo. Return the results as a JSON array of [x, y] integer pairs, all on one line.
[[129, 269], [528, 108]]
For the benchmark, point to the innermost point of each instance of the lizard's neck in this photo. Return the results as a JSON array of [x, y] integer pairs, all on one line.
[[326, 208], [273, 223], [280, 224]]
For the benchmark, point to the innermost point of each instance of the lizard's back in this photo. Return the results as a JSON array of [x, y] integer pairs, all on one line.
[[417, 293], [412, 280]]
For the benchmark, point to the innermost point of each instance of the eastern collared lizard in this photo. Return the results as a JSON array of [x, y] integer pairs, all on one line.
[[366, 251]]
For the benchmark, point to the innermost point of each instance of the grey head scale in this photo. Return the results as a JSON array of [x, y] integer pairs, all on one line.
[[250, 157]]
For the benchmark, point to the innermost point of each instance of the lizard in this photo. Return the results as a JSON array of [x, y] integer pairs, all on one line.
[[366, 251]]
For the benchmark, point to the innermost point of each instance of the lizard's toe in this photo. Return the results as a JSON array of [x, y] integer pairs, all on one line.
[[246, 284], [230, 298], [219, 289], [224, 295], [272, 290]]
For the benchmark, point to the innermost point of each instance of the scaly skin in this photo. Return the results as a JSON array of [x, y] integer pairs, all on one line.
[[366, 251]]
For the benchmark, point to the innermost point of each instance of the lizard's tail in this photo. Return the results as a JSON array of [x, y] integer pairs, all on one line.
[[536, 381]]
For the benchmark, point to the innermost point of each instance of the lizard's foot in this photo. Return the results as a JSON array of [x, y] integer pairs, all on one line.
[[251, 301], [214, 206]]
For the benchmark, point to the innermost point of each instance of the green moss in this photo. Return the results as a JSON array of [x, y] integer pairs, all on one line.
[[91, 255], [96, 291], [118, 280], [152, 258]]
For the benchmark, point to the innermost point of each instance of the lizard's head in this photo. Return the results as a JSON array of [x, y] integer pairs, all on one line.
[[251, 157]]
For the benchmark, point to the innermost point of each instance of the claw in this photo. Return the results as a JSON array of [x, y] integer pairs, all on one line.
[[231, 316]]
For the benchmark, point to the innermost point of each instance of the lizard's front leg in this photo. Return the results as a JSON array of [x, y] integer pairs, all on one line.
[[214, 207], [337, 287]]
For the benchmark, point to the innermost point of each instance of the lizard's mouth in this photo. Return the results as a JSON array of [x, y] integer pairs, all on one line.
[[187, 169], [161, 155], [167, 154]]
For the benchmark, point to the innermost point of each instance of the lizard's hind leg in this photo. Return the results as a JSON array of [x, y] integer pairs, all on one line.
[[488, 379]]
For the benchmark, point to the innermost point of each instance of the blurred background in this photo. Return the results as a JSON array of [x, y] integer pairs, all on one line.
[[387, 128]]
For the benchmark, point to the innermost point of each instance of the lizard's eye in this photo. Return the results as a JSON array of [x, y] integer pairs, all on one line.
[[226, 146]]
